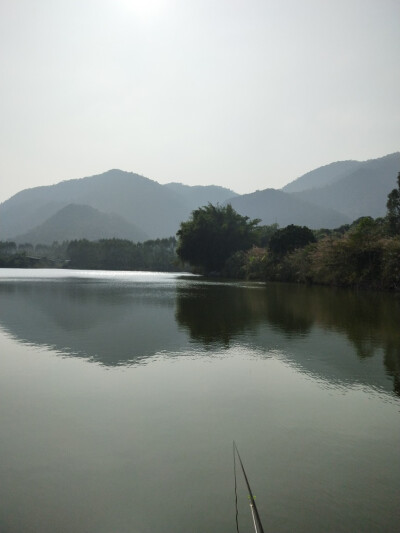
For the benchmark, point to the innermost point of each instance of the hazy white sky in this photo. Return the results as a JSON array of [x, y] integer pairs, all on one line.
[[247, 94]]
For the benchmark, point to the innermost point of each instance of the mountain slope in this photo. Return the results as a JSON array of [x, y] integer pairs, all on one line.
[[141, 201], [200, 195], [362, 192], [156, 209], [326, 197], [81, 221], [322, 176], [273, 206]]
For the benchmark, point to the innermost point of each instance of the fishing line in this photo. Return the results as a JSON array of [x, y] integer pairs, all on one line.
[[236, 496]]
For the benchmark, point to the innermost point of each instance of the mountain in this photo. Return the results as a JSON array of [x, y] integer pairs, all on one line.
[[326, 197], [200, 195], [143, 202], [361, 191], [81, 221], [322, 176], [155, 210], [273, 206]]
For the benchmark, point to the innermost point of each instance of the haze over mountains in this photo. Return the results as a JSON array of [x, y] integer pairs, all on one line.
[[83, 222], [273, 206], [327, 197], [127, 205]]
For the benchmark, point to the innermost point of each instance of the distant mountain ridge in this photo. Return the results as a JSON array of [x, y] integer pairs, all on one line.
[[273, 206], [319, 177], [81, 222], [114, 192], [155, 210], [198, 195], [124, 203], [326, 197], [361, 191]]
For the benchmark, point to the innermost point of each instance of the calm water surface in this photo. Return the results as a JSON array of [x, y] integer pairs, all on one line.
[[121, 393]]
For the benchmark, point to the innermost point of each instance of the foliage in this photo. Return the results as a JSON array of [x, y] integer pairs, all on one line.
[[56, 252], [265, 233], [393, 209], [212, 235], [25, 256], [235, 266], [14, 261], [25, 247], [390, 267], [365, 253], [7, 248], [106, 254], [121, 254], [364, 256], [288, 239], [248, 264]]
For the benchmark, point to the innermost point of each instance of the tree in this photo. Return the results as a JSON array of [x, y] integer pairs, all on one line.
[[7, 248], [393, 208], [213, 234], [290, 238], [265, 233]]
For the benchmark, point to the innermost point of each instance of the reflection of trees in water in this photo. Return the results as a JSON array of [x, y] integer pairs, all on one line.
[[121, 324], [391, 361], [369, 320], [218, 313], [286, 309]]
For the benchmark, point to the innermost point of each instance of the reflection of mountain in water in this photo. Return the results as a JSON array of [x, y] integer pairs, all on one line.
[[112, 324], [338, 336]]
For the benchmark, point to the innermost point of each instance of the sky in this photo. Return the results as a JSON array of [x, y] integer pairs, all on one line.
[[246, 94]]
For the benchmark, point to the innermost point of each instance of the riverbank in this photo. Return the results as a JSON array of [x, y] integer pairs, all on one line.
[[356, 259]]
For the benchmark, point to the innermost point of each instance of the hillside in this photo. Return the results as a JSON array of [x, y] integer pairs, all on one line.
[[360, 192], [199, 195], [141, 201], [327, 197], [156, 210], [322, 176], [81, 221], [273, 206]]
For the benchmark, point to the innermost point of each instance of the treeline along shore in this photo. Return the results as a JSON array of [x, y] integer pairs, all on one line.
[[218, 241], [365, 253], [104, 254]]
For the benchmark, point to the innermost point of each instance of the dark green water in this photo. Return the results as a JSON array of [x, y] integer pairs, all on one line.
[[121, 393]]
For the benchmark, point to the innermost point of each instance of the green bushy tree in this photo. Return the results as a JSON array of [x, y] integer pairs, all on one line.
[[290, 238], [212, 235]]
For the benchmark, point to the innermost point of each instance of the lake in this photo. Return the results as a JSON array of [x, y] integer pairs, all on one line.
[[121, 394]]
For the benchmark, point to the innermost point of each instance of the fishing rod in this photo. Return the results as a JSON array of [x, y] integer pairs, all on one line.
[[254, 511]]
